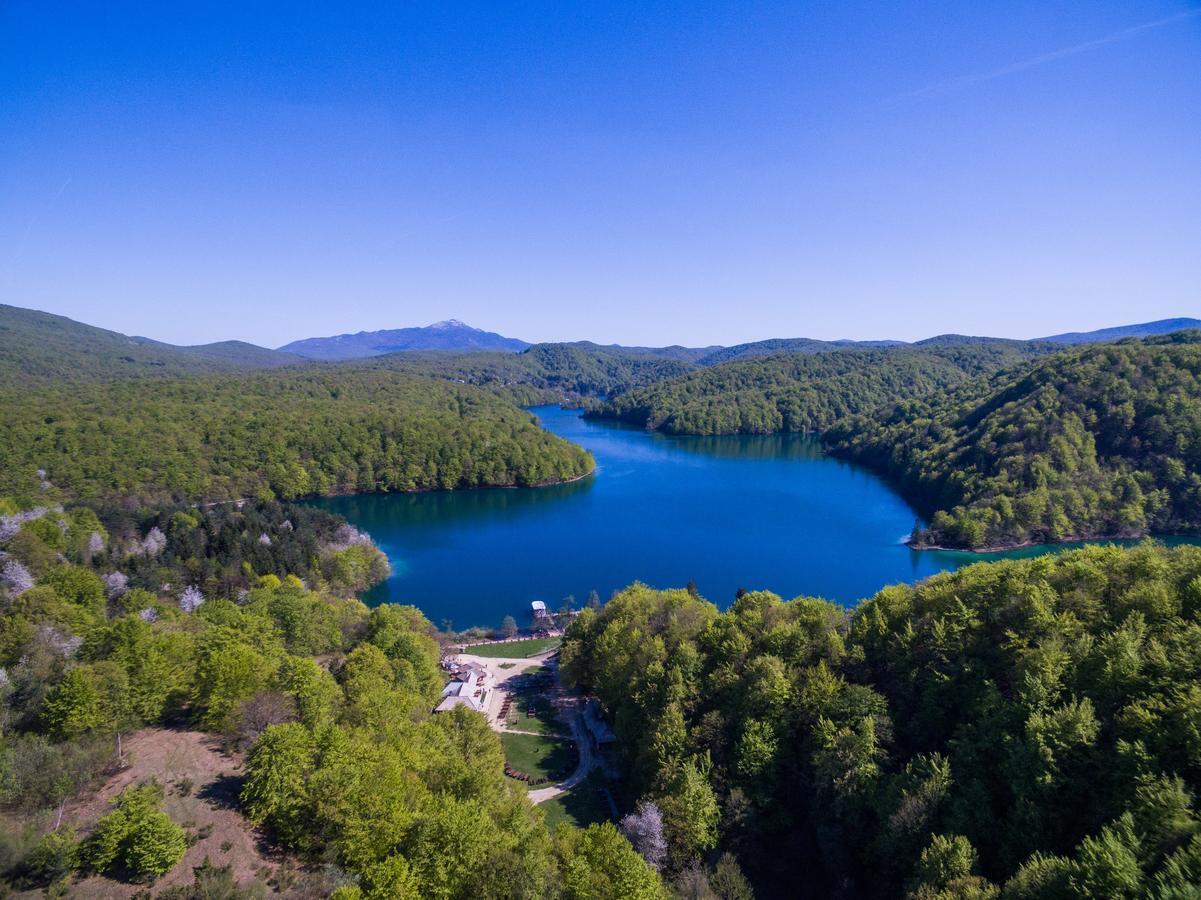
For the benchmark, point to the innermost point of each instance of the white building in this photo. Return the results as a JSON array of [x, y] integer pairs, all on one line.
[[470, 685]]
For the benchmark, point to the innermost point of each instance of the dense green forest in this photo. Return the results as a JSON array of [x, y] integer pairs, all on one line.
[[346, 767], [1104, 441], [806, 391], [1028, 729], [283, 433]]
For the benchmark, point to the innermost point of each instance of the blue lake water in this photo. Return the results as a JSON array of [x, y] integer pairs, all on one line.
[[769, 512]]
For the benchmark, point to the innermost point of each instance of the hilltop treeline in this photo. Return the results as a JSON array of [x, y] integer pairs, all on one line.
[[108, 629], [806, 391], [1023, 729], [1104, 441], [285, 433], [545, 373], [37, 347]]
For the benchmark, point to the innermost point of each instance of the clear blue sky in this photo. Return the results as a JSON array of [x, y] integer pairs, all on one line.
[[693, 172]]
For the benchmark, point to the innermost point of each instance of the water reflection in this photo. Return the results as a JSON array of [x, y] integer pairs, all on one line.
[[759, 511]]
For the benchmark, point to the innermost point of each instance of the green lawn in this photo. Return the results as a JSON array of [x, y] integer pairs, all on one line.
[[582, 806], [544, 720], [537, 755], [514, 649]]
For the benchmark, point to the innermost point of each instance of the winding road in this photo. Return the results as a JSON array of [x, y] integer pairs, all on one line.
[[587, 761]]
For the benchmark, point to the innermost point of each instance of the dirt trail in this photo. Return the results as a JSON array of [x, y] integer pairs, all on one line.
[[587, 761]]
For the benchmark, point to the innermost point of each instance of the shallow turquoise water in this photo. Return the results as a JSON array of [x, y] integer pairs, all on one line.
[[768, 512]]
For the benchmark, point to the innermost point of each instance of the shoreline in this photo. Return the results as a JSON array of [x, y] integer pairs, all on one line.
[[428, 490], [1074, 539]]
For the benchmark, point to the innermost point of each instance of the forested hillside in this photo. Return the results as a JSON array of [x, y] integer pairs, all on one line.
[[776, 346], [36, 347], [282, 434], [545, 373], [1027, 729], [1104, 441], [124, 627], [805, 392]]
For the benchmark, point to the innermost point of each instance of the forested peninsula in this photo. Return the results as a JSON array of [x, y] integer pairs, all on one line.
[[105, 417], [286, 433]]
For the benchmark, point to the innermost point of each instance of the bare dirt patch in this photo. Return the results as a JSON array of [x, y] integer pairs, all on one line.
[[202, 784]]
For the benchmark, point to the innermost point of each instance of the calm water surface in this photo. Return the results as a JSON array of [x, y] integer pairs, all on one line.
[[768, 512]]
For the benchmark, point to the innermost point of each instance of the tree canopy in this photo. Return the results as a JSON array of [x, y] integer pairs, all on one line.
[[1104, 441], [284, 433], [1026, 726], [805, 391]]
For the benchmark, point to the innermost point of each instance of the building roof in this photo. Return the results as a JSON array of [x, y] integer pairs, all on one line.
[[538, 606], [449, 703]]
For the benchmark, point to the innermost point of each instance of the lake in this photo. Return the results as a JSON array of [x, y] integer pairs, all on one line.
[[771, 512]]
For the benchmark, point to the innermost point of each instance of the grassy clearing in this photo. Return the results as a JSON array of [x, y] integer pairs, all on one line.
[[582, 806], [544, 720], [514, 649], [539, 756]]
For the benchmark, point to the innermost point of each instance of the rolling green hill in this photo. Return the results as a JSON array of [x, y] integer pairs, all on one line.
[[285, 433], [1102, 441], [38, 346], [805, 391]]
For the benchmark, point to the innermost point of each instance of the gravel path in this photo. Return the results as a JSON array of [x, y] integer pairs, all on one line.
[[581, 771]]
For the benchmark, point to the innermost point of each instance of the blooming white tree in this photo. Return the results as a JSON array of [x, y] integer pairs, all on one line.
[[61, 642], [265, 539], [16, 578], [149, 614], [10, 525], [95, 542], [116, 584], [644, 829], [191, 599], [347, 536], [154, 543]]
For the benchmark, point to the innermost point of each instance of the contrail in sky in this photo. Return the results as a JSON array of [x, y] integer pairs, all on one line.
[[965, 81], [19, 246]]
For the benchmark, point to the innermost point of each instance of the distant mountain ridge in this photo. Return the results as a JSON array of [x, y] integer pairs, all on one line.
[[450, 334], [1144, 329], [39, 345], [35, 345]]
